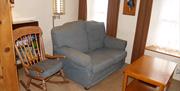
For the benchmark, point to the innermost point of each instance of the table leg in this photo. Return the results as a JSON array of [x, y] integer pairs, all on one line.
[[125, 81], [168, 85], [161, 88]]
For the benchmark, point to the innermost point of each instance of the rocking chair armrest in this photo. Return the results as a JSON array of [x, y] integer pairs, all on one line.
[[54, 56], [37, 69]]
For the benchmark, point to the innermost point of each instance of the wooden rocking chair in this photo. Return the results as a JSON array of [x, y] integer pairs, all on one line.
[[38, 66]]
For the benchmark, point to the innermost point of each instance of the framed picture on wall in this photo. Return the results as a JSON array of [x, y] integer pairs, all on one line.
[[129, 7]]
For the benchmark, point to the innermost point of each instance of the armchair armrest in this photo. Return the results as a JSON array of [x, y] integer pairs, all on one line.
[[111, 42], [76, 56], [54, 56]]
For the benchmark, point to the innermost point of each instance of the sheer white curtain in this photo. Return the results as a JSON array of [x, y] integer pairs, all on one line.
[[97, 10], [167, 28]]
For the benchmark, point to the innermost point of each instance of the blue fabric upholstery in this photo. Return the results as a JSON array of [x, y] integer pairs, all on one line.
[[105, 57], [111, 42], [106, 72], [77, 73], [70, 34], [91, 60], [93, 29], [76, 56], [49, 68]]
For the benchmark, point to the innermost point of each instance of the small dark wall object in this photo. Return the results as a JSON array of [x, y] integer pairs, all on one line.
[[129, 7], [130, 4]]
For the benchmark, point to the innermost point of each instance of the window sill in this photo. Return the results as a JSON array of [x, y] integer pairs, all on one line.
[[165, 51]]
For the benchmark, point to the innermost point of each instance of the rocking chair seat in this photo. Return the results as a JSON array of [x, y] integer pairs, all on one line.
[[49, 67]]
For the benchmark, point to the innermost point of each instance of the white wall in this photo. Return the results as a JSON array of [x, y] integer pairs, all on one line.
[[41, 10], [126, 29]]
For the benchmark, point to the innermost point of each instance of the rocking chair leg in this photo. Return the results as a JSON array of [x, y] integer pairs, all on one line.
[[26, 86], [44, 85], [28, 82], [63, 76]]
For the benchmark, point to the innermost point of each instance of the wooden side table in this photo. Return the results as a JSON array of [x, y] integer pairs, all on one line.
[[150, 74]]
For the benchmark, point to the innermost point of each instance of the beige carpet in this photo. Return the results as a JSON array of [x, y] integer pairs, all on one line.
[[111, 83]]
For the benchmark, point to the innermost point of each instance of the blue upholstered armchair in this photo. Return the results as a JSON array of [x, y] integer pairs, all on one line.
[[91, 54]]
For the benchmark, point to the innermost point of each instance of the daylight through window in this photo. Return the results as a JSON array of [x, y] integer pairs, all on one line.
[[97, 10], [165, 24], [58, 7]]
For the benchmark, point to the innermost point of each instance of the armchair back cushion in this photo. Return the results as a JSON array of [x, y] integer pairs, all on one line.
[[71, 35], [95, 34]]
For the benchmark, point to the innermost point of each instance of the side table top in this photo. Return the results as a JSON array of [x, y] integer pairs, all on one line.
[[151, 69]]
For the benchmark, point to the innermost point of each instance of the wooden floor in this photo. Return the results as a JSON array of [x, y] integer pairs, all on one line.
[[111, 83]]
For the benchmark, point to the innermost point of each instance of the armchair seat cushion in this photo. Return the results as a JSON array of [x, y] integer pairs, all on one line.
[[49, 68], [105, 57]]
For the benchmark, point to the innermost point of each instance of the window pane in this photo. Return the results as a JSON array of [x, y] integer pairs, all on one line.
[[165, 24], [97, 10], [58, 7]]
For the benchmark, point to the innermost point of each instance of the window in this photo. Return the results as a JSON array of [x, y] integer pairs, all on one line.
[[97, 10], [58, 7], [165, 29]]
